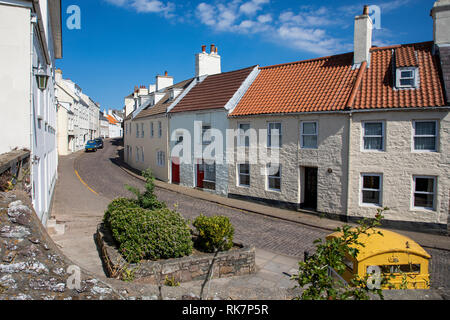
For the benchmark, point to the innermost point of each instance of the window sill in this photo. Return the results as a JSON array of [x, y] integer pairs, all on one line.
[[420, 209], [369, 205]]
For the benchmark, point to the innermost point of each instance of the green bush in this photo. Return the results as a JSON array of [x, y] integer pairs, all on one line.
[[153, 235], [214, 233], [148, 199], [120, 203]]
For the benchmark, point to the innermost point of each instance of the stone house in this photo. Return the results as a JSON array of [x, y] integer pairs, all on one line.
[[356, 132], [31, 41]]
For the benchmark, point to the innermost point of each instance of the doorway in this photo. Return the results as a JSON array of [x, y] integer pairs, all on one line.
[[309, 188]]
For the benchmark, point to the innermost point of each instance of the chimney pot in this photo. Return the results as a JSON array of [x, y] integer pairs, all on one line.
[[203, 48], [212, 48], [366, 10], [166, 74]]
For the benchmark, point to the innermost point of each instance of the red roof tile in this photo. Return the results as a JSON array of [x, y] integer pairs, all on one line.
[[214, 92], [330, 84]]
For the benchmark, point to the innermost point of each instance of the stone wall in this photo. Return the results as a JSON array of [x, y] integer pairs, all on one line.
[[239, 261], [31, 266]]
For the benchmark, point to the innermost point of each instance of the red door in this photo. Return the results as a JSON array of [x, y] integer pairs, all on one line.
[[175, 171], [200, 175]]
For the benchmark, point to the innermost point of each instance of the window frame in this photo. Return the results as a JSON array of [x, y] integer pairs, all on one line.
[[434, 193], [240, 143], [302, 134], [273, 177], [152, 129], [159, 129], [161, 159], [414, 77], [203, 141], [238, 180], [383, 136], [414, 136], [142, 130], [362, 189], [269, 135]]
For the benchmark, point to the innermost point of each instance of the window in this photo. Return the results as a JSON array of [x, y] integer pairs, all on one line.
[[142, 154], [274, 178], [137, 130], [206, 134], [274, 135], [142, 130], [210, 171], [179, 138], [309, 134], [425, 135], [152, 131], [161, 158], [137, 154], [244, 139], [424, 192], [244, 175], [406, 77], [373, 136], [371, 189], [159, 129]]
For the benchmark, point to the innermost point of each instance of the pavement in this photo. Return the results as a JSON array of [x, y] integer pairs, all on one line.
[[87, 183]]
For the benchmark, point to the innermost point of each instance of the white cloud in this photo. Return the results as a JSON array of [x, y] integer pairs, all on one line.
[[146, 6], [252, 7]]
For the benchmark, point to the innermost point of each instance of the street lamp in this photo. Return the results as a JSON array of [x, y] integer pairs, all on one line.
[[42, 79]]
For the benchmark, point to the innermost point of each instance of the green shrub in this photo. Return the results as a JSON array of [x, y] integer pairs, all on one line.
[[153, 235], [120, 203], [214, 233], [148, 199]]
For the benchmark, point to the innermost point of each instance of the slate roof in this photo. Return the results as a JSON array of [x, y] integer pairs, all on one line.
[[163, 104], [214, 92], [332, 84]]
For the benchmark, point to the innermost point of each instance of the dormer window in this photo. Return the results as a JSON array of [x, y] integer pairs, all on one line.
[[407, 77]]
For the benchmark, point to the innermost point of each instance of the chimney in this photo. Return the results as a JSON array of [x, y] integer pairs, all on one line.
[[362, 37], [207, 63], [58, 75], [441, 22], [163, 81]]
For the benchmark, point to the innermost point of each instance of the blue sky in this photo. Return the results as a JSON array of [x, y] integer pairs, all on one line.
[[124, 43]]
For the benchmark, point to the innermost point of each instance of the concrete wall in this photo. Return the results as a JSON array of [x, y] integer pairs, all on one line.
[[330, 154], [398, 164], [150, 144], [185, 120]]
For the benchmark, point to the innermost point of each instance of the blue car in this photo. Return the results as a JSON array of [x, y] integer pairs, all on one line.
[[91, 145]]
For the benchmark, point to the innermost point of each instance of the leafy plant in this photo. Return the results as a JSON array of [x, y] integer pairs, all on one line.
[[313, 273], [148, 199], [214, 233], [171, 282], [150, 234], [120, 203]]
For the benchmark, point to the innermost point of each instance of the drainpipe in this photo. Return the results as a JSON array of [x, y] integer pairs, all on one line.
[[349, 141], [33, 21]]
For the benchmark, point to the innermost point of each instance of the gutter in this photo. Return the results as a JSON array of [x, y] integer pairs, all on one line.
[[41, 34]]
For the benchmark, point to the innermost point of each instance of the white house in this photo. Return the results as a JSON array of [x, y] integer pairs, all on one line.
[[30, 41]]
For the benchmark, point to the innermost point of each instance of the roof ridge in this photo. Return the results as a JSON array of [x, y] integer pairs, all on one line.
[[305, 61], [395, 46]]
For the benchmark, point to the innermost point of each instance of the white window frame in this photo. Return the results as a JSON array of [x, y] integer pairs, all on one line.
[[415, 77], [142, 155], [434, 193], [137, 154], [238, 178], [242, 136], [436, 136], [161, 159], [269, 135], [383, 136], [152, 129], [215, 172], [380, 190], [203, 141], [302, 146], [274, 177]]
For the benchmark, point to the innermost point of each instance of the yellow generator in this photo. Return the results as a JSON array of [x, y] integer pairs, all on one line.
[[402, 260]]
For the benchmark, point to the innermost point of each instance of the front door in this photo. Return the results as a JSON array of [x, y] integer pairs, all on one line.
[[200, 174], [310, 201], [175, 171]]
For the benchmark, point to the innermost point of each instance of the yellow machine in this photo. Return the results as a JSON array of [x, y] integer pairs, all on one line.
[[400, 258]]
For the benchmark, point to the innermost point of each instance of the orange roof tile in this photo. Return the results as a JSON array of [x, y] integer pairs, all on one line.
[[111, 119], [332, 84]]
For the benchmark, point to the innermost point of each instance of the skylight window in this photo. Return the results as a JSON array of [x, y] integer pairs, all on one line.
[[407, 77]]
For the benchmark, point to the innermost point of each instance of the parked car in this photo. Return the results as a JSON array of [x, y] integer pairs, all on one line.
[[91, 145], [99, 143]]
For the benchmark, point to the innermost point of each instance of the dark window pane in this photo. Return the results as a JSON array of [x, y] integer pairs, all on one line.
[[423, 200], [426, 128], [371, 182], [275, 183], [407, 74], [372, 197], [424, 185], [407, 82], [244, 168], [425, 143], [373, 129], [244, 180], [373, 143], [310, 142]]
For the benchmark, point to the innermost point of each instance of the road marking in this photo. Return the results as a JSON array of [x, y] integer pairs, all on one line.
[[76, 172]]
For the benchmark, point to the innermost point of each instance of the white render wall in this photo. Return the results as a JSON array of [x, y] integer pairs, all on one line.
[[398, 164], [331, 154], [185, 120]]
